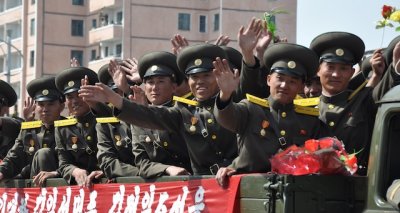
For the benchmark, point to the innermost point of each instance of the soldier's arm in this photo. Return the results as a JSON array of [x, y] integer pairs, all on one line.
[[389, 80], [15, 160], [230, 115], [147, 167], [9, 130], [107, 155]]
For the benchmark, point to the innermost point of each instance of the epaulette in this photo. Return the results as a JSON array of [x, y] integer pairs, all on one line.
[[186, 101], [256, 100], [187, 95], [66, 122], [31, 124], [69, 117], [107, 120], [354, 93], [306, 101], [306, 110]]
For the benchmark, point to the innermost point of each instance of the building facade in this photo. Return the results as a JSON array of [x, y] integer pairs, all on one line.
[[39, 37]]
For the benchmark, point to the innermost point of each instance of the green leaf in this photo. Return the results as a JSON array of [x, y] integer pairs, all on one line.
[[397, 28], [389, 24]]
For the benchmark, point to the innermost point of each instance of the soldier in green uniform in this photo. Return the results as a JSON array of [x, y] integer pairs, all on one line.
[[76, 138], [114, 137], [265, 126], [210, 146], [33, 154], [350, 115], [9, 127], [159, 152]]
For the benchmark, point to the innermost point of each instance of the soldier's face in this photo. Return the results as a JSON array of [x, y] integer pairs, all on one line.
[[49, 111], [313, 88], [76, 105], [159, 89], [334, 77], [203, 85], [284, 88]]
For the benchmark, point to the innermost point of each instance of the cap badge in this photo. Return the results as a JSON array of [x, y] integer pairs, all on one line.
[[71, 83], [291, 64], [339, 52], [45, 92], [198, 62], [154, 68]]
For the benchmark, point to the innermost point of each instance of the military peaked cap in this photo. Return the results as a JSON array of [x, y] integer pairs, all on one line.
[[44, 89], [199, 58], [291, 59], [69, 80], [338, 47], [8, 97]]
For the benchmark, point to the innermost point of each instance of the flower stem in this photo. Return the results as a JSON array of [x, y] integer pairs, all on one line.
[[383, 36]]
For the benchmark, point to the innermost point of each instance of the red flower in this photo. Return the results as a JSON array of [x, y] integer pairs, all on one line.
[[311, 145], [386, 11]]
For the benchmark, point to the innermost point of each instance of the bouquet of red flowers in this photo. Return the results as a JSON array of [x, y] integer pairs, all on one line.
[[323, 156]]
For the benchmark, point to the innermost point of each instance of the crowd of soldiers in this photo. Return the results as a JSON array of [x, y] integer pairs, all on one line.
[[205, 109]]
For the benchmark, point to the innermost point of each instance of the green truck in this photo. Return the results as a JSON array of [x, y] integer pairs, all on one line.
[[315, 193]]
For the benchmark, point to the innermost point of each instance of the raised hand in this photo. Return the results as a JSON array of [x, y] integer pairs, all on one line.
[[138, 96], [178, 43], [222, 40], [74, 62], [248, 39], [29, 109], [100, 93], [263, 41], [227, 81], [118, 75], [130, 67]]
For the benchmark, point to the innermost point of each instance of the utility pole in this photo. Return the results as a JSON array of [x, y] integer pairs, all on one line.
[[8, 58]]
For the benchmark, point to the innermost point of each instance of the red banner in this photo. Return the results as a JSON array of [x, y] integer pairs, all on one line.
[[202, 195]]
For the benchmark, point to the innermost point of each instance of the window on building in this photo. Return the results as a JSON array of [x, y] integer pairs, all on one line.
[[119, 17], [105, 51], [33, 1], [32, 58], [77, 2], [118, 50], [93, 55], [78, 54], [216, 22], [33, 26], [202, 24], [77, 27], [184, 21], [94, 23]]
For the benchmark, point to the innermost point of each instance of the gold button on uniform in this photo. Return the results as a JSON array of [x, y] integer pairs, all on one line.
[[331, 123], [214, 137], [87, 124], [283, 114], [283, 132], [330, 106], [165, 143], [210, 121], [147, 139], [89, 138], [44, 145]]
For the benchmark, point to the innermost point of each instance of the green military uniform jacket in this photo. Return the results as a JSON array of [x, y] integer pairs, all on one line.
[[76, 141], [33, 136], [210, 146], [156, 150], [114, 145], [351, 117], [263, 131], [9, 131]]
